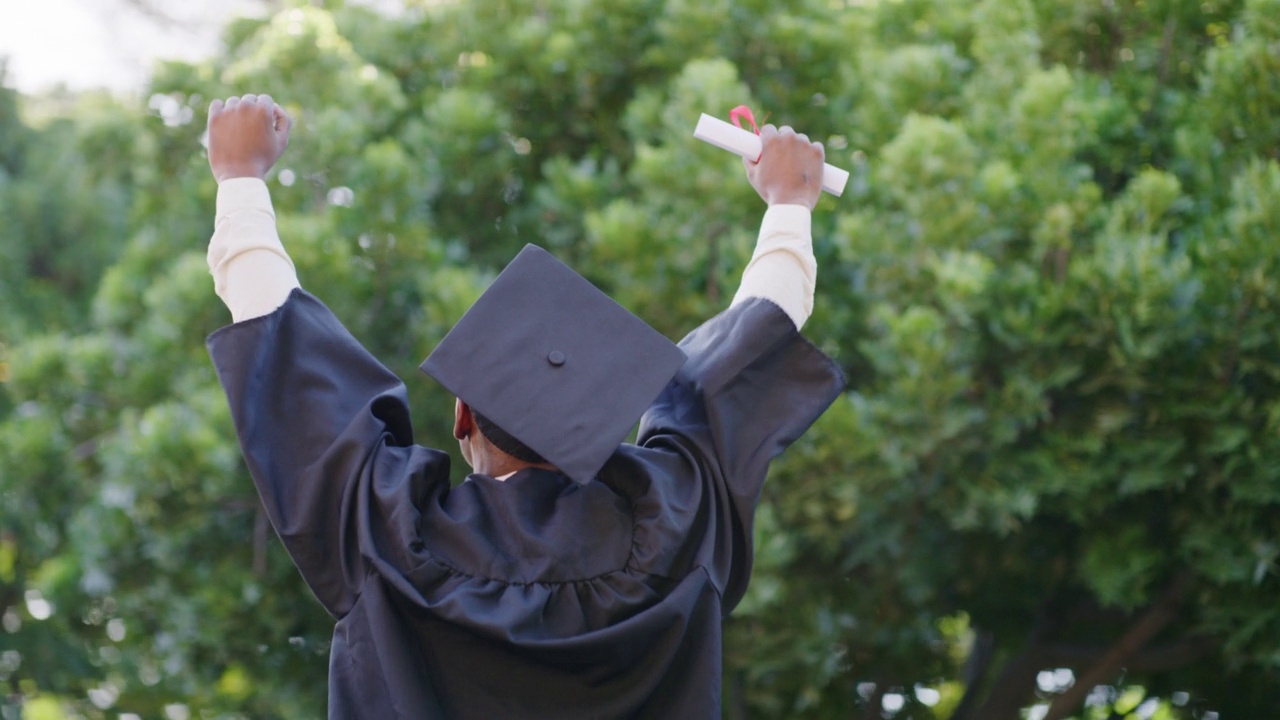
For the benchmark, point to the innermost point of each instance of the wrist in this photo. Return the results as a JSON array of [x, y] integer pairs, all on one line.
[[223, 173], [806, 202]]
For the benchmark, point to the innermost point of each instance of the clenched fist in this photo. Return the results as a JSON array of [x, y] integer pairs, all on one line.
[[247, 135]]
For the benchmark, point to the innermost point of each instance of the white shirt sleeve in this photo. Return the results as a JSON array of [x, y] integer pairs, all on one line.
[[783, 268], [252, 273]]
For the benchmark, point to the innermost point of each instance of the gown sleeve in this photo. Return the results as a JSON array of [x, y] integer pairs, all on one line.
[[325, 432], [751, 386]]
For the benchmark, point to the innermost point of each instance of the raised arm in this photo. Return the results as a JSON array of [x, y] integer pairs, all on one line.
[[788, 176], [323, 425], [752, 384], [252, 273]]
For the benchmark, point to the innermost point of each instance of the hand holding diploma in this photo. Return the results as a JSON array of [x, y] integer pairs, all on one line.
[[789, 168], [751, 148]]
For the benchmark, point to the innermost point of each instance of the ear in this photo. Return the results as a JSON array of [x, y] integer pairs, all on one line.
[[463, 421]]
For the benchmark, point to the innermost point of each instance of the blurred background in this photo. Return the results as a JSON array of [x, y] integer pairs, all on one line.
[[1050, 491]]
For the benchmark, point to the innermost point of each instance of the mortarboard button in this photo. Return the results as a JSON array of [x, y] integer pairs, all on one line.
[[556, 358]]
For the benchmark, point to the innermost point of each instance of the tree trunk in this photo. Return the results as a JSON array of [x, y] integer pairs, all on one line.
[[875, 703], [1013, 688], [975, 671]]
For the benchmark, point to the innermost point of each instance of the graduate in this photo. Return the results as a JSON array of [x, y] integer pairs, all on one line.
[[570, 575]]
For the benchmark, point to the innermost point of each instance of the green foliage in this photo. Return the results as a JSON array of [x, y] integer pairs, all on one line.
[[1052, 283]]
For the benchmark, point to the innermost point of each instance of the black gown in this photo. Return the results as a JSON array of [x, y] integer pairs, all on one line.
[[534, 596]]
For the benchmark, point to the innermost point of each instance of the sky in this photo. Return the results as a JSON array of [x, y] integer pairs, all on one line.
[[104, 43]]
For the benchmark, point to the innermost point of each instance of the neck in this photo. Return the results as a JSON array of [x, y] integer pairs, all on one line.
[[487, 459], [501, 465]]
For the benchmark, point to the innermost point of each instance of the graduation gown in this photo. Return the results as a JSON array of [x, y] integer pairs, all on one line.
[[530, 597]]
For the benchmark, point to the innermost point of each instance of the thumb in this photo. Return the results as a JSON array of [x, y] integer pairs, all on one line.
[[281, 122]]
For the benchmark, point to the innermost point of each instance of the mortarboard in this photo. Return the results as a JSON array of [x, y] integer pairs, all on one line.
[[555, 363]]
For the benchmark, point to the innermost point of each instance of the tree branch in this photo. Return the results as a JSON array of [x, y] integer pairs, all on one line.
[[1159, 658], [1148, 626]]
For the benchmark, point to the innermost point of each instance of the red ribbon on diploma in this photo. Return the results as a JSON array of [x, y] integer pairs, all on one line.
[[742, 111]]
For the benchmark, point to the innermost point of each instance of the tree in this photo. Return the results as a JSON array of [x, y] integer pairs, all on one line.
[[1050, 284]]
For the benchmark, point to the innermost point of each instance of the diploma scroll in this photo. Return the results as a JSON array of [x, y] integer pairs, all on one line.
[[747, 144]]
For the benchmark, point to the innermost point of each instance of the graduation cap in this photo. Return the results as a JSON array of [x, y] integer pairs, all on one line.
[[554, 362]]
